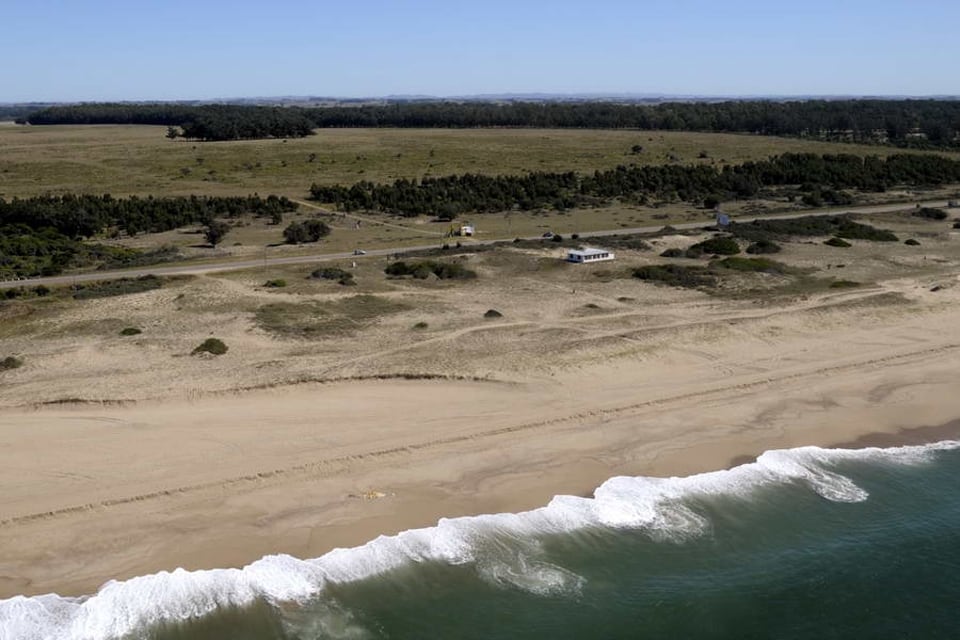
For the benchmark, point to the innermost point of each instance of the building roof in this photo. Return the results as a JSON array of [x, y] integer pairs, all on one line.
[[587, 251]]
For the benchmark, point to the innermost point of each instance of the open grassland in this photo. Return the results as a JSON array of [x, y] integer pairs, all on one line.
[[128, 160]]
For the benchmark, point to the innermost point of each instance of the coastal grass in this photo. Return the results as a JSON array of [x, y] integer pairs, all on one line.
[[315, 319]]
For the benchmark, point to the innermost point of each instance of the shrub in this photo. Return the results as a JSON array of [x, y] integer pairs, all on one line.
[[306, 231], [212, 346], [119, 287], [844, 284], [423, 269], [421, 325], [841, 226], [557, 237], [215, 232], [764, 246], [929, 213], [492, 313], [334, 273], [763, 265], [673, 252], [837, 242], [10, 362], [956, 225], [130, 331], [912, 242], [275, 284], [712, 202], [721, 245], [676, 275]]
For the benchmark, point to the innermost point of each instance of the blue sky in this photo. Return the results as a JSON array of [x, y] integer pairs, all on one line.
[[178, 49]]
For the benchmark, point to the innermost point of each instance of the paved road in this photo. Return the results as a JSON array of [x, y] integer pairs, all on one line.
[[236, 265]]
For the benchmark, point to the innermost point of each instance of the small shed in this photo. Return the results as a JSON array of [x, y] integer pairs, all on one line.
[[587, 254]]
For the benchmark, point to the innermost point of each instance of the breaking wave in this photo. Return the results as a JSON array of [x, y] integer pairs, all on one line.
[[503, 548]]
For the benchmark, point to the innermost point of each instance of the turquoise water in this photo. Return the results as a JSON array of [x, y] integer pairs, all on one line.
[[806, 543]]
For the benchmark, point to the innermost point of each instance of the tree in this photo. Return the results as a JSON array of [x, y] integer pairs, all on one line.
[[173, 132], [215, 232]]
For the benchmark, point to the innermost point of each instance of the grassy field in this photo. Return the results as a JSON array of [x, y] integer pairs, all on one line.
[[125, 160]]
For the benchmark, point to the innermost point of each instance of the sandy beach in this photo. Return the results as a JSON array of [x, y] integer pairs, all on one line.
[[109, 485]]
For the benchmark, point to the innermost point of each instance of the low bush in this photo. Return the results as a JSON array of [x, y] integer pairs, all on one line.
[[130, 331], [306, 231], [333, 273], [676, 275], [764, 246], [423, 269], [212, 346], [673, 252], [721, 245], [275, 284], [807, 226], [760, 265], [837, 242], [956, 225], [844, 284], [912, 242], [10, 362], [420, 325], [120, 287], [929, 213], [492, 313]]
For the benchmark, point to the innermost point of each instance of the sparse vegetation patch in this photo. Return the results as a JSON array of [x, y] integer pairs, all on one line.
[[423, 270], [213, 346], [10, 362], [121, 287]]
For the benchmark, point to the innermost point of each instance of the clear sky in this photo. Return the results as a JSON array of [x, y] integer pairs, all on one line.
[[181, 49]]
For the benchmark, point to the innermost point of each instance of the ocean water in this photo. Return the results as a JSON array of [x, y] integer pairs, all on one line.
[[803, 543]]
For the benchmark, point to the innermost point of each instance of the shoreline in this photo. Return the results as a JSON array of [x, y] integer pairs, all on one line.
[[308, 514]]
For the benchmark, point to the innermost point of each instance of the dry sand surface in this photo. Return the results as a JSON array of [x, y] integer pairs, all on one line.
[[300, 440]]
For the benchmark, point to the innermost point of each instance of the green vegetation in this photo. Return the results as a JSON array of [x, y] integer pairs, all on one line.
[[759, 265], [307, 231], [844, 284], [213, 346], [130, 331], [674, 252], [215, 231], [423, 269], [119, 287], [275, 284], [841, 226], [837, 242], [764, 246], [317, 320], [911, 242], [721, 245], [10, 362], [333, 273], [929, 213], [492, 313], [450, 195], [676, 275], [420, 326]]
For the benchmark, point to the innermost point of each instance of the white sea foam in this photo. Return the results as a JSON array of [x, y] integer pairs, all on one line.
[[502, 546]]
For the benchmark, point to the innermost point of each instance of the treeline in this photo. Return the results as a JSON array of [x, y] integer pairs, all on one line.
[[206, 122], [41, 235], [821, 174], [911, 123]]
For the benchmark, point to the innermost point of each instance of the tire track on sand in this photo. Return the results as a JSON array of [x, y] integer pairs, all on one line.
[[331, 466]]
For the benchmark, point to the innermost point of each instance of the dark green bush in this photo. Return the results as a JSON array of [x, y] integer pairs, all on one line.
[[762, 265], [423, 269], [764, 246], [837, 242], [912, 242], [212, 346], [492, 313], [807, 226], [334, 273], [421, 325], [120, 287], [130, 331], [929, 213], [307, 231], [844, 284], [676, 275], [673, 252], [721, 245], [275, 284], [10, 362]]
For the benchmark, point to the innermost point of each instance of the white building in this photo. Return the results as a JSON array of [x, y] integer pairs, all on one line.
[[588, 255]]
